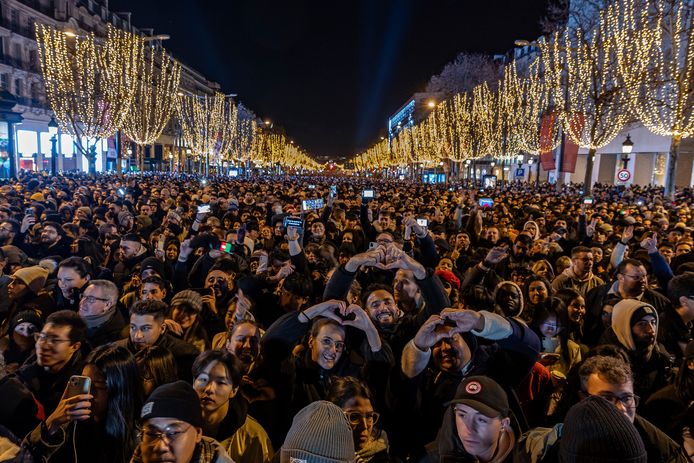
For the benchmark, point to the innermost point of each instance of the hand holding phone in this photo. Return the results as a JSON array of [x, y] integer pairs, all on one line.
[[75, 404]]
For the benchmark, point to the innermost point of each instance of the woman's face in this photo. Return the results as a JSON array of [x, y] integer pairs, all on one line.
[[361, 417], [172, 252], [577, 310], [537, 292], [327, 347], [541, 270], [183, 317]]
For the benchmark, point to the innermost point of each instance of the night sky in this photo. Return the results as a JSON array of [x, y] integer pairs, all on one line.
[[331, 72]]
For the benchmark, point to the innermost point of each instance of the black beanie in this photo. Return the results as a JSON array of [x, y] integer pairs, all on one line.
[[595, 431], [174, 400]]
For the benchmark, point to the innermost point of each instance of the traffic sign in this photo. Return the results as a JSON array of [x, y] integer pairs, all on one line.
[[623, 175]]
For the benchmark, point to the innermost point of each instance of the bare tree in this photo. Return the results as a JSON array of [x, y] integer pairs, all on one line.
[[464, 73]]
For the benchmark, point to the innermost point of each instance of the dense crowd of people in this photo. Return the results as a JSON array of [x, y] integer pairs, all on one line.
[[160, 317]]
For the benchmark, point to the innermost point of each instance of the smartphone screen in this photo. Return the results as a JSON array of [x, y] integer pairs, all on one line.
[[587, 200], [486, 203], [423, 222], [226, 247], [367, 194], [204, 209], [311, 204], [293, 222], [333, 191]]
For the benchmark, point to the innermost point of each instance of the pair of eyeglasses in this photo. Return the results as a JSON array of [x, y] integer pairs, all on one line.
[[93, 299], [150, 436], [629, 401], [356, 418], [44, 338], [328, 343]]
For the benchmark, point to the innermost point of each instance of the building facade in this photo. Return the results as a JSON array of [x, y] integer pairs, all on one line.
[[20, 75]]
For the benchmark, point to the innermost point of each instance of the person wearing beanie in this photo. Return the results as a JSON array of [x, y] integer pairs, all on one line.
[[172, 423], [25, 291], [18, 345], [634, 328], [217, 378], [611, 380], [30, 279], [596, 432], [186, 307], [476, 425], [632, 283], [320, 433]]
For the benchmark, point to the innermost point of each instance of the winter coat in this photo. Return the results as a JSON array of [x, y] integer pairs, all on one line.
[[48, 387], [242, 437], [651, 366]]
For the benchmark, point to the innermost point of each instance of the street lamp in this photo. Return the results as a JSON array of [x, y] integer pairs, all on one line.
[[627, 147], [53, 130], [431, 104]]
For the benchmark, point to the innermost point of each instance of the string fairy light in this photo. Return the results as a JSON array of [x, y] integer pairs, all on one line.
[[89, 81]]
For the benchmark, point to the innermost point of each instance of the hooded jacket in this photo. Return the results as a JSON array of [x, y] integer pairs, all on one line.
[[651, 365], [447, 448]]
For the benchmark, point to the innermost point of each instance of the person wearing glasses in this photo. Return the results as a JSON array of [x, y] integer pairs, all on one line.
[[610, 378], [301, 372], [98, 308], [217, 377], [355, 400], [579, 276], [631, 283], [634, 329], [99, 426], [58, 356], [171, 431]]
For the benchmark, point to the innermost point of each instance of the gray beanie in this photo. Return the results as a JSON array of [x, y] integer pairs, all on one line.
[[320, 433]]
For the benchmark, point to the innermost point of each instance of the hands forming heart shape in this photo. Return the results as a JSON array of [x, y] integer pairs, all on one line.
[[386, 258]]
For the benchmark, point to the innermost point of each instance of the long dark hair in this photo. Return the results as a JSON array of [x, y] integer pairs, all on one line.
[[123, 386], [156, 364], [684, 382], [556, 307]]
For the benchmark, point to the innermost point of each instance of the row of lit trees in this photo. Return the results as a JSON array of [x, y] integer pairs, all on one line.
[[635, 63], [98, 86]]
